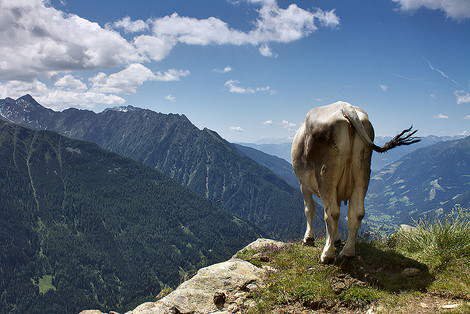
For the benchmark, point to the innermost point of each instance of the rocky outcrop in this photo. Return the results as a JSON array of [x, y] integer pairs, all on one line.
[[220, 288]]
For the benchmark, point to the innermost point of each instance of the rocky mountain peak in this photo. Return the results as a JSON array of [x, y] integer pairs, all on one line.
[[28, 101], [127, 108]]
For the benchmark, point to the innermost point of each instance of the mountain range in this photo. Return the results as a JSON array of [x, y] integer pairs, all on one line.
[[381, 160], [423, 184], [279, 166], [81, 227], [282, 150], [199, 159]]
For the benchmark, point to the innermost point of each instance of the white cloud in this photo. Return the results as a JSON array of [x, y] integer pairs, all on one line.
[[467, 117], [155, 48], [57, 97], [266, 51], [274, 24], [236, 128], [463, 97], [70, 82], [288, 125], [267, 89], [170, 98], [40, 40], [224, 70], [130, 26], [327, 18], [268, 122], [236, 89], [456, 9], [285, 25], [69, 91], [171, 75], [123, 82], [233, 88], [440, 116], [383, 87], [193, 31], [128, 80]]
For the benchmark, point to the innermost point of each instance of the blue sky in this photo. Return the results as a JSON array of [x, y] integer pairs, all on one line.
[[248, 69]]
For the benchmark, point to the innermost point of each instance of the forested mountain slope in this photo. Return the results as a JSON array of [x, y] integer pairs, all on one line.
[[381, 160], [428, 181], [279, 166], [200, 159], [84, 228]]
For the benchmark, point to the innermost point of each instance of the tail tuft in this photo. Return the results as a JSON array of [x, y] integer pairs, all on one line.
[[404, 138]]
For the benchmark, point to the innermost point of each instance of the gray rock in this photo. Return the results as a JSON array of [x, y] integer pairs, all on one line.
[[212, 289], [406, 228], [259, 243], [221, 288]]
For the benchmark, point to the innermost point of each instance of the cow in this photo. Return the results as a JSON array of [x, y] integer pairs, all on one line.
[[331, 156]]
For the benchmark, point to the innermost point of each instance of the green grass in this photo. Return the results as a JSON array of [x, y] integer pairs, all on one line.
[[439, 250], [44, 283], [443, 245], [437, 242]]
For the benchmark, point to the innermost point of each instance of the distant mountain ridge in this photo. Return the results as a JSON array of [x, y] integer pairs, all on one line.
[[381, 160], [277, 165], [282, 150], [199, 159], [82, 227], [426, 182]]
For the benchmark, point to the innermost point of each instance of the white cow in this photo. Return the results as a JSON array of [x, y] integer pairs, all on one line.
[[331, 155]]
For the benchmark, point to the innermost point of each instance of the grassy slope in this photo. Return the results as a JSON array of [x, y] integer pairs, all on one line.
[[374, 279]]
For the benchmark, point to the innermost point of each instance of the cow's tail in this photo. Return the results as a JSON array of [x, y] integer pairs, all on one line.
[[404, 138]]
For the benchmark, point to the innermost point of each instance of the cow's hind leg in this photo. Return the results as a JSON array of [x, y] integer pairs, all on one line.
[[309, 238], [332, 214], [355, 214], [361, 173]]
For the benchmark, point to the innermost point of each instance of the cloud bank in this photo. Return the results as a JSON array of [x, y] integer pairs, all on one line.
[[43, 44], [70, 91], [39, 40]]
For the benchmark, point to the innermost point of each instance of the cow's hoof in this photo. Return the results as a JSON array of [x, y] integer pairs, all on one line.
[[309, 242], [327, 260], [338, 243], [341, 258]]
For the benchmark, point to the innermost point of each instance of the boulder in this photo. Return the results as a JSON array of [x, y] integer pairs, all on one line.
[[220, 288]]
